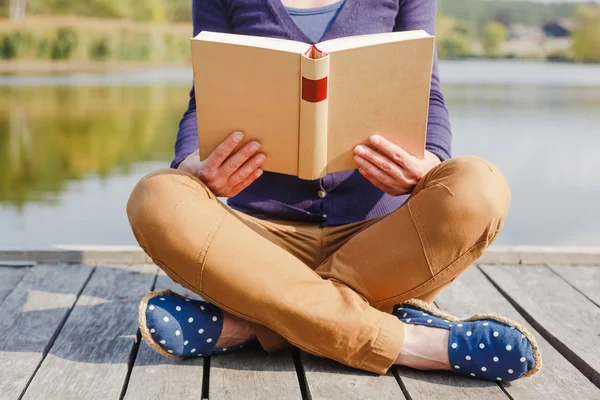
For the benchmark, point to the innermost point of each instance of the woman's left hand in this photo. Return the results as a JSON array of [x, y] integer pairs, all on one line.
[[392, 169]]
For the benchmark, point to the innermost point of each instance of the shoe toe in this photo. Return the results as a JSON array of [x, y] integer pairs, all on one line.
[[183, 327], [490, 350]]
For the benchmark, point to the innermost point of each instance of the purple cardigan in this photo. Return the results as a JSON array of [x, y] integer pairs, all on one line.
[[338, 198]]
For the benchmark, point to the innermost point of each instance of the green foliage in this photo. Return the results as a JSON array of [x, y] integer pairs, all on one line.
[[586, 38], [95, 40], [454, 38], [494, 34], [15, 44], [64, 44]]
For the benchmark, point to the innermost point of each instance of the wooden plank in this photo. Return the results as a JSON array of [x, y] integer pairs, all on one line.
[[89, 255], [253, 375], [30, 316], [566, 318], [89, 359], [327, 379], [472, 293], [9, 278], [155, 376], [586, 279], [434, 385], [530, 255]]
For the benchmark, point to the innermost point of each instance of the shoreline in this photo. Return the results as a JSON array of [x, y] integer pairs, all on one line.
[[25, 67]]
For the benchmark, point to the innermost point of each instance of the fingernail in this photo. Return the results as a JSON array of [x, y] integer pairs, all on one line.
[[375, 140], [237, 137], [360, 150], [358, 159], [259, 173], [362, 171], [255, 146], [260, 159]]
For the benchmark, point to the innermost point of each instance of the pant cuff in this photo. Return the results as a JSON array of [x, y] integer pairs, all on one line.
[[387, 346]]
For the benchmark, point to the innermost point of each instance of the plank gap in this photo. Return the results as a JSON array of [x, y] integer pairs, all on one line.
[[567, 353], [134, 350], [396, 374], [206, 378], [504, 390], [5, 295], [301, 373], [50, 343], [571, 284], [131, 362]]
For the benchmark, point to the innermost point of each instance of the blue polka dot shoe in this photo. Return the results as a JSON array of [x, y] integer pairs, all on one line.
[[179, 327], [484, 346]]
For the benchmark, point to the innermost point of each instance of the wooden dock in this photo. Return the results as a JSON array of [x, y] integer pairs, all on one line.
[[68, 330]]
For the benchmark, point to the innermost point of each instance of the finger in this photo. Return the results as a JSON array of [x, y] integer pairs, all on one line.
[[380, 161], [375, 172], [393, 151], [375, 182], [234, 162], [223, 150], [247, 169], [246, 182]]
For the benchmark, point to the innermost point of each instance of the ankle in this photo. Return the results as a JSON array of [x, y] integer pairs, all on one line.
[[236, 332], [424, 348]]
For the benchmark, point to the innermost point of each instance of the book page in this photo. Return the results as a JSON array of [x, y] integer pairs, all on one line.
[[380, 89], [252, 89], [351, 42], [253, 41]]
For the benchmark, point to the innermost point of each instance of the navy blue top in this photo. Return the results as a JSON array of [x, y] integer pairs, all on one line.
[[345, 197], [315, 21]]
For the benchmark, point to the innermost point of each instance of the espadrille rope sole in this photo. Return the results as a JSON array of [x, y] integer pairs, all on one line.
[[179, 327], [449, 320]]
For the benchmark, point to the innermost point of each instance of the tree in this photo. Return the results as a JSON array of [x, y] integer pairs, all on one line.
[[586, 37], [17, 9], [494, 34]]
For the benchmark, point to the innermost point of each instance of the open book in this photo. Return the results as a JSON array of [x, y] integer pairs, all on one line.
[[309, 106]]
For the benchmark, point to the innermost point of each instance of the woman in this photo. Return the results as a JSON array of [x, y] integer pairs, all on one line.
[[342, 267]]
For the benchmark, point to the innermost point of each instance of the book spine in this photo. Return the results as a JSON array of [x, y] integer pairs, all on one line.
[[314, 104]]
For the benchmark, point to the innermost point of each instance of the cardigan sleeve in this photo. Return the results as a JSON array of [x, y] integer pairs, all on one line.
[[210, 15], [420, 14]]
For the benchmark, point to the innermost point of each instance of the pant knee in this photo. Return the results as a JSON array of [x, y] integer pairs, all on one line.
[[152, 200], [481, 191]]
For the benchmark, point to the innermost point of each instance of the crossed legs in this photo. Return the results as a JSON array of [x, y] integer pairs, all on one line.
[[339, 310]]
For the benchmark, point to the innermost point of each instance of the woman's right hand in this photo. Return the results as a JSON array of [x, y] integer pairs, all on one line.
[[225, 174]]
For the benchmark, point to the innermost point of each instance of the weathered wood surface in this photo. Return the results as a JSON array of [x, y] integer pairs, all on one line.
[[89, 359], [586, 279], [93, 255], [155, 376], [93, 355], [29, 318], [567, 319], [558, 379], [329, 380], [253, 375], [9, 278], [432, 385]]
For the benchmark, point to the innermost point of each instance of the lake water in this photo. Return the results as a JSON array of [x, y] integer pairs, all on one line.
[[73, 146]]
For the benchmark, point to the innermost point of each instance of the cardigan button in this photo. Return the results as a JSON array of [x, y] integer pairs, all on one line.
[[322, 194]]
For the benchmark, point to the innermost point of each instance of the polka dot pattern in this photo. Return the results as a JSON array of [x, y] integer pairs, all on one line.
[[184, 327], [485, 348]]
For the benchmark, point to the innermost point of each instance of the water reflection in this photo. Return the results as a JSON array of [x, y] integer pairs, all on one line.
[[52, 135], [68, 150]]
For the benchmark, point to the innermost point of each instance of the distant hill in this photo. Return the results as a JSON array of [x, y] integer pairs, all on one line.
[[146, 10], [480, 12]]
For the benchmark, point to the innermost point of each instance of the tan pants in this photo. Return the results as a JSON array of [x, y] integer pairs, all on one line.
[[328, 291]]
